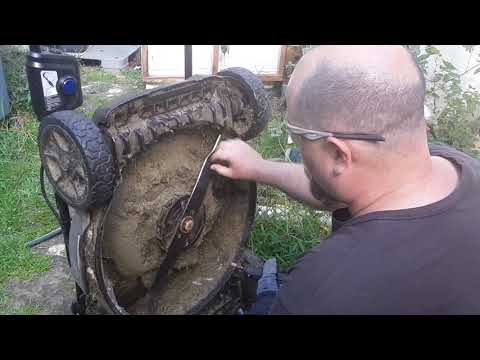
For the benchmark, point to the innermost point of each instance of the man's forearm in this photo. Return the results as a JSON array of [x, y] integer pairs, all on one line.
[[235, 159], [289, 178]]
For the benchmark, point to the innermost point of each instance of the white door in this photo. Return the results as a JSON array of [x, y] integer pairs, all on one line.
[[169, 60], [259, 59]]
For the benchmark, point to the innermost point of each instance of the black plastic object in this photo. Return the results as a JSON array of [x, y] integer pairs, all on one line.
[[54, 82], [77, 159]]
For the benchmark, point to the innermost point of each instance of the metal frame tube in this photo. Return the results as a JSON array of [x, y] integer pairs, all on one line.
[[44, 238], [188, 61]]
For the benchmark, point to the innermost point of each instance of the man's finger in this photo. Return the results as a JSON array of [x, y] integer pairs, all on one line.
[[222, 145], [220, 155], [222, 170]]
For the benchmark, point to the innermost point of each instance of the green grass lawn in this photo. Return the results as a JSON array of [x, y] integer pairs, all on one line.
[[23, 213]]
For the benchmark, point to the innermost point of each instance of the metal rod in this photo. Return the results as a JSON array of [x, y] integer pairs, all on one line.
[[44, 238], [188, 61]]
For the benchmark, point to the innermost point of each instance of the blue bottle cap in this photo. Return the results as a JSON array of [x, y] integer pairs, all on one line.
[[69, 86]]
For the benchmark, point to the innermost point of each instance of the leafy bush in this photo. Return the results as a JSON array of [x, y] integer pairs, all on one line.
[[455, 109], [133, 77], [13, 60]]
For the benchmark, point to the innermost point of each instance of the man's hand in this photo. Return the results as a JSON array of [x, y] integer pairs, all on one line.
[[235, 159]]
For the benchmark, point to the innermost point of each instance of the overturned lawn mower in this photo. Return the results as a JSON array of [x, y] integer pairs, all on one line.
[[148, 228]]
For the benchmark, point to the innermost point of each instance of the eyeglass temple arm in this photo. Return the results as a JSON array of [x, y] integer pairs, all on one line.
[[372, 137]]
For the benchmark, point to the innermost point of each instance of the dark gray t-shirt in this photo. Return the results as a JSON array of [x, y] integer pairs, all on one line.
[[423, 260]]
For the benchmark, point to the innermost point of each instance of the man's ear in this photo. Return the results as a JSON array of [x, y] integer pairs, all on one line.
[[342, 155]]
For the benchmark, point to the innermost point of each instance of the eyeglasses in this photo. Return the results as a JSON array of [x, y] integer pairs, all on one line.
[[316, 135]]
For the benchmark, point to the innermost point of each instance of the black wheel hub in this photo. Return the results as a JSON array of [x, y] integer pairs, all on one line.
[[193, 226], [63, 164]]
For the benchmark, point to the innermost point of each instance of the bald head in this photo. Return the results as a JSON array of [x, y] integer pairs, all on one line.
[[372, 89]]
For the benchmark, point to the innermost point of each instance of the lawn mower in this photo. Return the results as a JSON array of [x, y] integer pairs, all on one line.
[[148, 227]]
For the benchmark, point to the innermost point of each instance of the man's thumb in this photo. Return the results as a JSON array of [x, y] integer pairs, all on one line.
[[222, 170]]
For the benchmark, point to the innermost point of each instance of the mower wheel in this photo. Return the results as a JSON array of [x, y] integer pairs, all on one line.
[[77, 159], [256, 93]]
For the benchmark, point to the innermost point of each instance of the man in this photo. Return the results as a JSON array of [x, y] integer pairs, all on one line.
[[406, 225]]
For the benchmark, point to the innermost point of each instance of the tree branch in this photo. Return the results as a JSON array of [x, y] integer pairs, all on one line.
[[468, 70]]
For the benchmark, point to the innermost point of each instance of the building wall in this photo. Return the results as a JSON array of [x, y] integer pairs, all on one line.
[[168, 60]]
